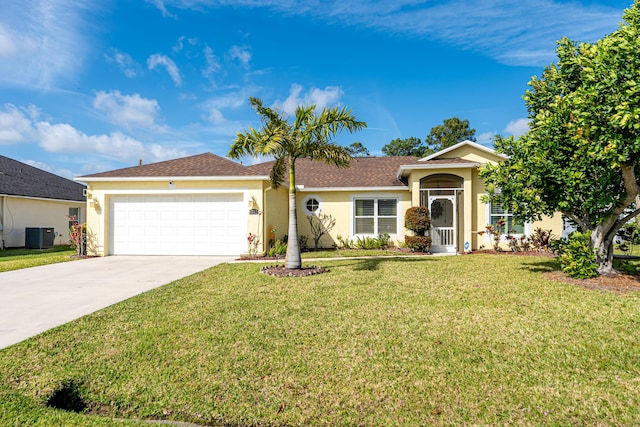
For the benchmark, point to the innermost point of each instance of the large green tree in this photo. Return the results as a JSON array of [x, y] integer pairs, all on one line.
[[450, 132], [411, 146], [309, 135], [580, 156], [357, 149]]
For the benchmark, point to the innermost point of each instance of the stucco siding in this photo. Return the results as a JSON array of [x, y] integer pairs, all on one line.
[[99, 193], [339, 204], [19, 213]]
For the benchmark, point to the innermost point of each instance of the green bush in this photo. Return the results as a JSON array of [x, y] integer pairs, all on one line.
[[418, 243], [417, 220], [367, 242], [577, 258], [278, 249]]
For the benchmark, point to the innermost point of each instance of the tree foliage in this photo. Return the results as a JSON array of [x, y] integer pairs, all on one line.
[[309, 135], [357, 149], [580, 156], [450, 132], [404, 147]]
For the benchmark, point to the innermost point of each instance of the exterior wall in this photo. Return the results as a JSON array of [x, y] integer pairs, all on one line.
[[472, 154], [276, 215], [339, 204], [99, 193], [18, 213], [466, 210]]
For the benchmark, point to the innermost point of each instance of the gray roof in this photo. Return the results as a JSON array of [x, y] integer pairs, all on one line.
[[20, 179]]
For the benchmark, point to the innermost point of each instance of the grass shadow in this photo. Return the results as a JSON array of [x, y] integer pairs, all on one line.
[[541, 266], [374, 263]]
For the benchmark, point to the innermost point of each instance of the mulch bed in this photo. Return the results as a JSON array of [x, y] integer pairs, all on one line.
[[282, 271], [618, 282]]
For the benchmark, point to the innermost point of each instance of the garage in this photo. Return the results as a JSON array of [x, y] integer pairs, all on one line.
[[180, 224]]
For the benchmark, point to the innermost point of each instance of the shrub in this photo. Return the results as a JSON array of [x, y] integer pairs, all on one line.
[[418, 243], [577, 258], [367, 242], [279, 249], [541, 239], [417, 220]]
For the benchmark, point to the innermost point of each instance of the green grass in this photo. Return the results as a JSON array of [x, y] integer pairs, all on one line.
[[467, 340], [351, 253], [15, 259]]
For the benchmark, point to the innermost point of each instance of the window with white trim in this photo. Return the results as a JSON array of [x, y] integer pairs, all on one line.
[[511, 226], [375, 216], [312, 205]]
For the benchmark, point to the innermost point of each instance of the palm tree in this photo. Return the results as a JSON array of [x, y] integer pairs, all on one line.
[[309, 136]]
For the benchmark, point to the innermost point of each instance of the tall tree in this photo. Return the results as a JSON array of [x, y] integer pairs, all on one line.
[[309, 136], [411, 146], [581, 154], [357, 149], [450, 132]]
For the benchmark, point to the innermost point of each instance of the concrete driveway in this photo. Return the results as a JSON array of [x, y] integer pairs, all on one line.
[[36, 299]]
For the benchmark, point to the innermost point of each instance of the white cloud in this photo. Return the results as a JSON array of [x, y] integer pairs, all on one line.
[[321, 98], [514, 32], [213, 63], [128, 110], [216, 117], [486, 137], [127, 64], [161, 7], [171, 67], [44, 41], [7, 46], [517, 127], [242, 54], [15, 126]]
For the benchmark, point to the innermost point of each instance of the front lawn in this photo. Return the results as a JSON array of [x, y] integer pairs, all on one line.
[[15, 259], [466, 340]]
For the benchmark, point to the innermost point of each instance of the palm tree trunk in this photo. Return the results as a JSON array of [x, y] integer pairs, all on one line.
[[294, 260]]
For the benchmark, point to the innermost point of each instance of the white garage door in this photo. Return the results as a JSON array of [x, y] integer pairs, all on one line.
[[195, 224]]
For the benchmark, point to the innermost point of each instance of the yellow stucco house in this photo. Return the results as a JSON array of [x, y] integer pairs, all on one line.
[[208, 205]]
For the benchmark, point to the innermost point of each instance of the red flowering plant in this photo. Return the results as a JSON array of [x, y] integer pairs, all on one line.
[[76, 233]]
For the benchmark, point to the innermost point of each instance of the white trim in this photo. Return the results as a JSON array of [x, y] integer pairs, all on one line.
[[172, 178], [44, 199], [407, 168], [185, 191], [458, 145], [352, 189], [399, 214], [304, 204]]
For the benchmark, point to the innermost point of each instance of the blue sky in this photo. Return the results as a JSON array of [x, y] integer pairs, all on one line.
[[88, 86]]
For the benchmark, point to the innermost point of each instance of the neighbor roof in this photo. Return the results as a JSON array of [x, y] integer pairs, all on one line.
[[20, 179]]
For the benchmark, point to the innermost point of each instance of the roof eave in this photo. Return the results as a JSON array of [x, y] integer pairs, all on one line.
[[171, 178], [304, 189], [404, 169], [458, 145]]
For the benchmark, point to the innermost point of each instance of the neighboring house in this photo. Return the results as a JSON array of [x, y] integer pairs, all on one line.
[[208, 205], [33, 198]]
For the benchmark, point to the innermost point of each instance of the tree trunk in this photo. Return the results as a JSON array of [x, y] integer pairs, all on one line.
[[602, 242], [294, 260]]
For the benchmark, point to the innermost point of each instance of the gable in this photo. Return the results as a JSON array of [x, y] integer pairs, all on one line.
[[467, 150], [20, 179]]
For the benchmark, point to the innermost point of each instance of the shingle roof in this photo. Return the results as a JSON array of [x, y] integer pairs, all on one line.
[[20, 179], [206, 164], [363, 172]]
